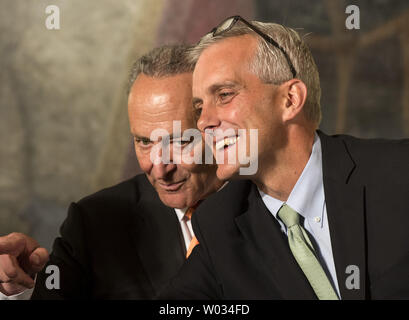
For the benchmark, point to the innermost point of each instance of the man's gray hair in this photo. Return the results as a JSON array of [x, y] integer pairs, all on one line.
[[270, 64], [161, 62]]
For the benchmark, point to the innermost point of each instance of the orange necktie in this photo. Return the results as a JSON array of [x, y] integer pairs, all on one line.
[[192, 244], [194, 241]]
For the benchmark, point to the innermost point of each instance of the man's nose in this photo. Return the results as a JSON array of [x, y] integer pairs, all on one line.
[[163, 170], [208, 118], [163, 162]]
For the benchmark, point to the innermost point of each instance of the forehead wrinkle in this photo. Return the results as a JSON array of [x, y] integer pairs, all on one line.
[[162, 106], [223, 84], [155, 103], [152, 118]]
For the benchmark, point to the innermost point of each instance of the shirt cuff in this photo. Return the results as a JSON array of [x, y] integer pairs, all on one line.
[[25, 295]]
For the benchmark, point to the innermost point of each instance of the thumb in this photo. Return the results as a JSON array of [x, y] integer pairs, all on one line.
[[38, 259]]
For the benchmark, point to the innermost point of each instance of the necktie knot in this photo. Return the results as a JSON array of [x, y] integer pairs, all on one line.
[[288, 216], [190, 210], [188, 213]]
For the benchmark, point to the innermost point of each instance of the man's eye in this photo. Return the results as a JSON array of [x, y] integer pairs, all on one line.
[[181, 143], [226, 96], [197, 109], [143, 142], [197, 112]]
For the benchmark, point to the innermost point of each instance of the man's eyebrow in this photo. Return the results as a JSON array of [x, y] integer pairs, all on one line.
[[226, 84], [142, 138]]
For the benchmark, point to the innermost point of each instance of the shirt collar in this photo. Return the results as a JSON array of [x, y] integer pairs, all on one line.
[[180, 213], [307, 196]]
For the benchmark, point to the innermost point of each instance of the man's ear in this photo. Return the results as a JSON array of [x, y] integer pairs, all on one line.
[[296, 94]]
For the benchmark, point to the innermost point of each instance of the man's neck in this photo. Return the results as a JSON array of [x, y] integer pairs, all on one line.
[[278, 178]]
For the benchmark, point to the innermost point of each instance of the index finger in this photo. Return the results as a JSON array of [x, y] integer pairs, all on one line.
[[12, 244]]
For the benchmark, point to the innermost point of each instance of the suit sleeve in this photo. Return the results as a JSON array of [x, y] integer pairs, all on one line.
[[196, 279], [66, 275]]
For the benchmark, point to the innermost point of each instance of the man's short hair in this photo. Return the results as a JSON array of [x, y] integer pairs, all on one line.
[[270, 64], [161, 62]]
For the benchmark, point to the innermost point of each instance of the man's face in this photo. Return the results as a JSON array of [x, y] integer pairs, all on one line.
[[155, 103], [230, 96]]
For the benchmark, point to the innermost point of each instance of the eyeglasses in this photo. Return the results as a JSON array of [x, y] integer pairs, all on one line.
[[228, 24]]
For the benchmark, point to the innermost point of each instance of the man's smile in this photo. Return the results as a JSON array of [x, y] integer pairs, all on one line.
[[172, 187], [226, 142]]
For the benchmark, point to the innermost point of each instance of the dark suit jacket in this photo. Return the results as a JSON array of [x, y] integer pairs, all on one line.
[[119, 243], [244, 255]]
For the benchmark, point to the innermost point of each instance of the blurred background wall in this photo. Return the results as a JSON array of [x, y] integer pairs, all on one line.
[[63, 123]]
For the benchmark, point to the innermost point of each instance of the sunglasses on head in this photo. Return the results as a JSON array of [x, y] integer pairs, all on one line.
[[229, 23]]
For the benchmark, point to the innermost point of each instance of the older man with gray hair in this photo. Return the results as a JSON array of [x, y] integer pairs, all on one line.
[[126, 241]]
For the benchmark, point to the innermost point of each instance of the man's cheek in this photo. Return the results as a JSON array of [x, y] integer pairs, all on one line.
[[144, 163], [189, 167]]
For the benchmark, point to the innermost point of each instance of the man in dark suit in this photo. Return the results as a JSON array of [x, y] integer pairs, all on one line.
[[127, 241], [324, 216]]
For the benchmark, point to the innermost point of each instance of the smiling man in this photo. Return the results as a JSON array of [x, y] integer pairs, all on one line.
[[127, 241], [157, 102], [324, 216]]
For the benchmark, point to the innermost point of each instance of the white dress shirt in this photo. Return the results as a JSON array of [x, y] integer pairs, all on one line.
[[308, 199], [186, 226]]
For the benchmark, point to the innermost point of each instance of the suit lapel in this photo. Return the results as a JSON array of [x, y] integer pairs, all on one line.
[[157, 237], [263, 233], [345, 209]]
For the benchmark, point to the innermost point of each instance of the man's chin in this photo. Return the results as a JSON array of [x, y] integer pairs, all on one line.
[[227, 172], [173, 200]]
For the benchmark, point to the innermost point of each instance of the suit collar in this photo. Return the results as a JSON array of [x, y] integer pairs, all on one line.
[[262, 231], [337, 162], [346, 216], [157, 236]]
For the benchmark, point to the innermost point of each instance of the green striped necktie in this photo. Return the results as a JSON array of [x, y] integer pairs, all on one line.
[[305, 255]]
